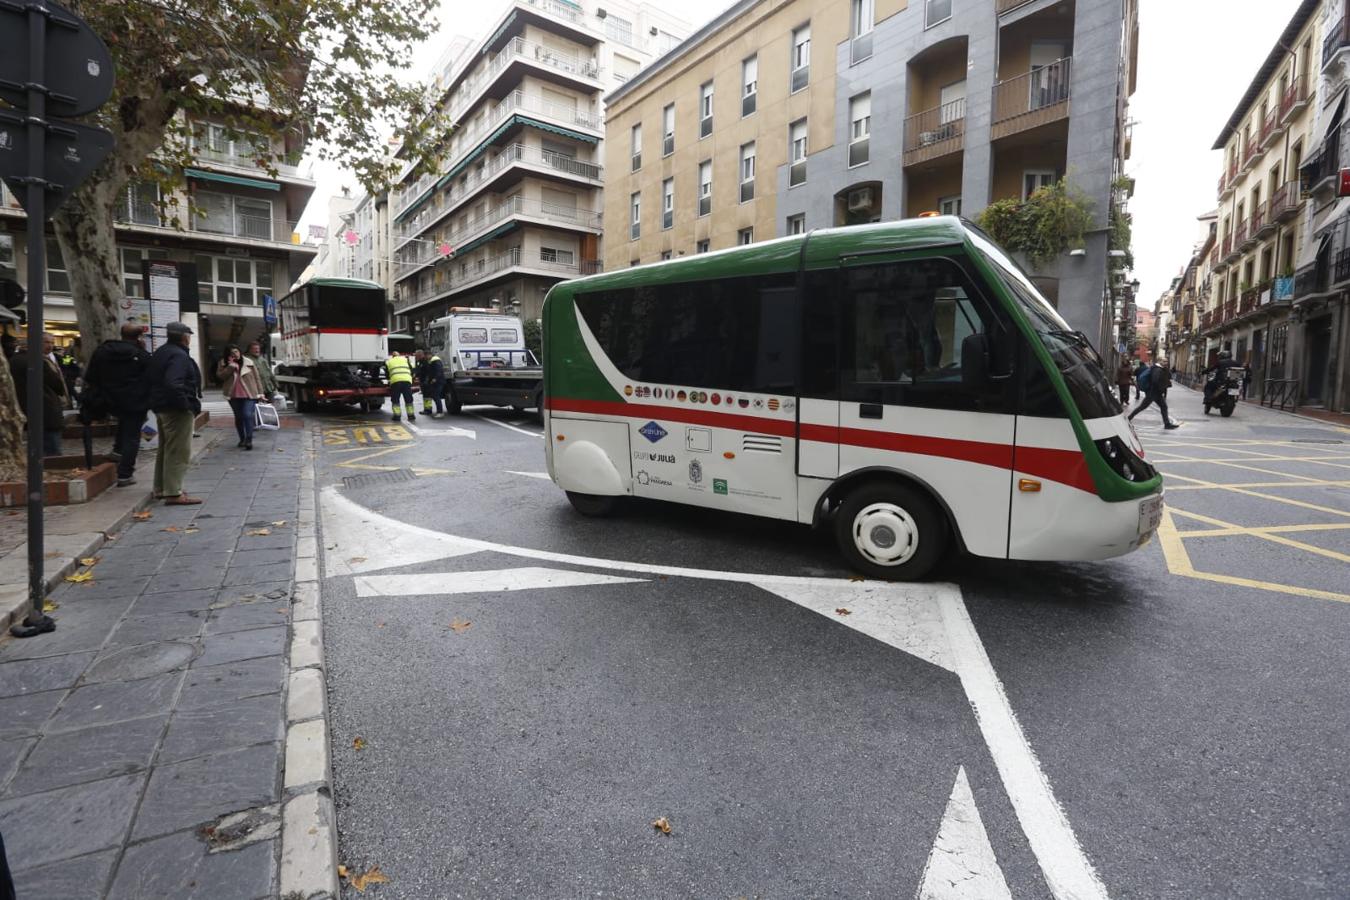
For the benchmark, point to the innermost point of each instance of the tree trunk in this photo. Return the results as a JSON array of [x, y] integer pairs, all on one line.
[[13, 430], [85, 230]]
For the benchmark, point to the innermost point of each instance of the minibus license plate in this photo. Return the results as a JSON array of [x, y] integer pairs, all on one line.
[[1150, 514]]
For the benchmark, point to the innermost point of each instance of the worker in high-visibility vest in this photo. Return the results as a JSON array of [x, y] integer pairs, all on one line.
[[431, 376], [400, 372]]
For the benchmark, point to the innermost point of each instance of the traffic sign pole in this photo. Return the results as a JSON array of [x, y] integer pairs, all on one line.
[[38, 621]]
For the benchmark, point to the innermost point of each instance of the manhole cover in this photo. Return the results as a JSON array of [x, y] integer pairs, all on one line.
[[141, 662], [1315, 441], [392, 477]]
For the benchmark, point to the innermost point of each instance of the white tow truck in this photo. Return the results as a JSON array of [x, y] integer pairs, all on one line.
[[486, 360]]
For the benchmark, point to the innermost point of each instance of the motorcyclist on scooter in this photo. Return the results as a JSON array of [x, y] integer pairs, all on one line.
[[1219, 371]]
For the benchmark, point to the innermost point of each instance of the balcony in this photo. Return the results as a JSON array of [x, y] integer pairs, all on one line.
[[484, 268], [1229, 251], [1284, 203], [1007, 6], [1233, 172], [1214, 259], [1248, 301], [1250, 155], [1271, 128], [143, 214], [1031, 100], [1295, 98], [935, 132], [209, 158], [427, 252], [1262, 225], [1341, 272], [1337, 38], [1224, 187], [556, 66]]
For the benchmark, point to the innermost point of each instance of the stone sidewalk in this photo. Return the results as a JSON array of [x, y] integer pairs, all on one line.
[[141, 743]]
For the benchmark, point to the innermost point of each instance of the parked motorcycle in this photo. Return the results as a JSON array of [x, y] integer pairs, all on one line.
[[1223, 391]]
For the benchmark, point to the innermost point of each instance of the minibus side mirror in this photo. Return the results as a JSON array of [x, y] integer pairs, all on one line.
[[975, 362]]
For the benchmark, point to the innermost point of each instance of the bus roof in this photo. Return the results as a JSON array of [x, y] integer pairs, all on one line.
[[326, 281], [824, 246]]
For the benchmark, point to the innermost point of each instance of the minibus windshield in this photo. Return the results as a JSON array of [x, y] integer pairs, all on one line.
[[1071, 350]]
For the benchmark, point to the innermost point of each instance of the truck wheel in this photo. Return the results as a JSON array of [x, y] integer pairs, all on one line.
[[539, 404], [890, 531], [1207, 408], [593, 505], [304, 401], [452, 404]]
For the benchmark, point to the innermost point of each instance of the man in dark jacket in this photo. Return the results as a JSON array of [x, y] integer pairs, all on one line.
[[53, 394], [1155, 391], [115, 382], [175, 391]]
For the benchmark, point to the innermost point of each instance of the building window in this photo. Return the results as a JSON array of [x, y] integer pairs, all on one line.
[[58, 279], [668, 130], [619, 29], [797, 152], [796, 224], [634, 263], [1035, 179], [635, 217], [227, 214], [705, 187], [133, 282], [749, 85], [745, 236], [637, 147], [864, 14], [747, 171], [223, 279], [705, 106], [8, 269], [860, 129], [801, 58], [936, 12], [666, 254], [554, 255], [950, 206], [140, 204], [703, 246], [668, 203]]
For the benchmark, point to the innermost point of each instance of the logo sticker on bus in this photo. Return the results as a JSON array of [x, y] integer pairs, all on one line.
[[696, 472], [652, 432], [719, 485]]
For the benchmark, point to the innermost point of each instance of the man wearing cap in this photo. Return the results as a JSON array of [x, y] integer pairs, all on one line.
[[53, 393], [175, 385]]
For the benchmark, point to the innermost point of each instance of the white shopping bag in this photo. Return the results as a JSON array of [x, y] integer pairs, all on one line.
[[279, 401], [267, 416]]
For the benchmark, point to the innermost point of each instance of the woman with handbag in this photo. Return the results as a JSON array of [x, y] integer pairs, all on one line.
[[241, 386]]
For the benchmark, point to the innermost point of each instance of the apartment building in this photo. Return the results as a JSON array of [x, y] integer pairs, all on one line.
[[780, 117], [1264, 233], [1180, 337], [236, 222], [517, 205]]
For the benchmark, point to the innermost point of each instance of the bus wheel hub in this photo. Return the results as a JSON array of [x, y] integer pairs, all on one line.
[[885, 534]]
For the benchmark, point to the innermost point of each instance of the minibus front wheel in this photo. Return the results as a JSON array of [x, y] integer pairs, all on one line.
[[890, 531], [593, 505]]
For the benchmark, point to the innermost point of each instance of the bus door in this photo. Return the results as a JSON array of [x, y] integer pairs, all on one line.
[[925, 387]]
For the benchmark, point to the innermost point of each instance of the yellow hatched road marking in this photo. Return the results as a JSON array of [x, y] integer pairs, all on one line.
[[1238, 465], [1178, 458], [1255, 484], [1265, 535], [1179, 563], [1264, 529]]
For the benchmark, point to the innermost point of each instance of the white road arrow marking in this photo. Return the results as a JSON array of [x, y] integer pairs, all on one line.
[[543, 475], [962, 865], [439, 583], [449, 431]]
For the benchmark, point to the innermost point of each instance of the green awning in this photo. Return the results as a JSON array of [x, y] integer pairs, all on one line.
[[233, 179], [490, 236], [491, 42], [506, 126]]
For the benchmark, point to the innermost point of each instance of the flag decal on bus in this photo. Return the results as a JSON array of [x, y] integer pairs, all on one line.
[[652, 432]]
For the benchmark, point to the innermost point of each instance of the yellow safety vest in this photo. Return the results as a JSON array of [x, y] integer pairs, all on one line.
[[399, 369]]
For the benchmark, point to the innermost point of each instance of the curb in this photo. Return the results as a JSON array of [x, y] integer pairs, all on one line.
[[308, 869]]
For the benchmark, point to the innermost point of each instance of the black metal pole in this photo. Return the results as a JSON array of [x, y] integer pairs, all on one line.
[[37, 227]]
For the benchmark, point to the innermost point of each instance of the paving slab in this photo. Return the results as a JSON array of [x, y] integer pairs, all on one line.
[[69, 821], [191, 793], [239, 645], [180, 866], [212, 685], [103, 704], [24, 715], [88, 754], [211, 729], [31, 676], [81, 878], [243, 616]]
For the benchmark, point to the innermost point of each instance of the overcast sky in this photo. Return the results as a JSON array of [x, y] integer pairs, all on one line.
[[1196, 59]]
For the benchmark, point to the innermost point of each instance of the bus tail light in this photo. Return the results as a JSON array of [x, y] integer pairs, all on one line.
[[1123, 462]]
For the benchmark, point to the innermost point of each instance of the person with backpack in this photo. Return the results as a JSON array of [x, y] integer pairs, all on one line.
[[114, 384], [1153, 382]]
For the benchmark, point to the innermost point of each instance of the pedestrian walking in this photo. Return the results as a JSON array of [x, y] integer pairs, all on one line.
[[399, 370], [115, 382], [1124, 378], [175, 389], [1155, 381], [53, 393], [266, 378], [240, 384]]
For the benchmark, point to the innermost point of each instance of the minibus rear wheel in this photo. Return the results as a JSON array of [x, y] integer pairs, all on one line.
[[593, 505], [890, 531]]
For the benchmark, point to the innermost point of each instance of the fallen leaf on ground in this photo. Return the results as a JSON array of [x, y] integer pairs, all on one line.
[[856, 578], [844, 611], [373, 876], [459, 626], [342, 871], [379, 624], [358, 743], [89, 560], [356, 559], [662, 825], [172, 529], [191, 530], [279, 522], [80, 577], [258, 532], [50, 606], [143, 515]]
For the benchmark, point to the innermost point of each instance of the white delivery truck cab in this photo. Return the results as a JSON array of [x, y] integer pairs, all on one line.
[[486, 360]]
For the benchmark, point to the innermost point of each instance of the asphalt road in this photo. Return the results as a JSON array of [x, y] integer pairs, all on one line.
[[528, 702]]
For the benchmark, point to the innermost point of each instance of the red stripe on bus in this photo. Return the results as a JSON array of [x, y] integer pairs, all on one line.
[[1066, 467]]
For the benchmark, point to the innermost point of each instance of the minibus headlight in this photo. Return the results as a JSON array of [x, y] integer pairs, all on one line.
[[1122, 461]]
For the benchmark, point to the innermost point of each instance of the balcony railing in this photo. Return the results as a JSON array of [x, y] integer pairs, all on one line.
[[934, 127], [1342, 269], [1240, 236], [1005, 6], [1233, 170], [257, 228], [1041, 89], [1214, 257], [428, 251], [1250, 154], [206, 154], [1248, 300], [1270, 128], [140, 212], [482, 267], [1223, 184], [1227, 246], [518, 49], [560, 10], [1295, 97], [1262, 224], [1284, 202], [1337, 36]]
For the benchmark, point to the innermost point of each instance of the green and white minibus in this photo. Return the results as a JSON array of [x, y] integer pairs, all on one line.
[[904, 381]]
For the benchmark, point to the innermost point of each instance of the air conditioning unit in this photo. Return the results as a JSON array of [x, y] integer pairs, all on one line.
[[653, 31], [860, 199], [601, 13]]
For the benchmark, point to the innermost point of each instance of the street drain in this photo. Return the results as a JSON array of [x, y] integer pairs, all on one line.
[[392, 477]]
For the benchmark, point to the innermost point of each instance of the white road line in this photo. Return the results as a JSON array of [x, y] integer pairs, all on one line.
[[509, 427], [962, 865], [1066, 867], [438, 583], [411, 427], [541, 475]]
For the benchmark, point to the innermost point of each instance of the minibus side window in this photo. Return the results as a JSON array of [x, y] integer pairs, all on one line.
[[820, 336], [904, 326]]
